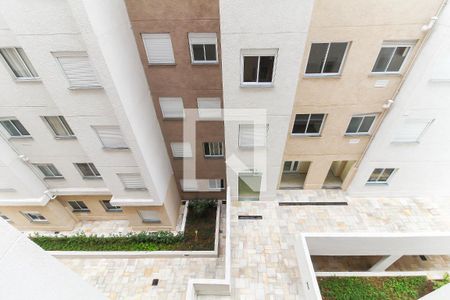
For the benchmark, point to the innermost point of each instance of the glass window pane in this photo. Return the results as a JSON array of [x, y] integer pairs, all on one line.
[[198, 51], [316, 58], [210, 52], [335, 57], [32, 72], [82, 205], [385, 176], [300, 123], [250, 68], [266, 68], [398, 58], [45, 170], [315, 122], [383, 59], [374, 176], [20, 127], [12, 131], [85, 170], [66, 125], [354, 125], [57, 126], [15, 62], [53, 169], [94, 169], [366, 124], [287, 166]]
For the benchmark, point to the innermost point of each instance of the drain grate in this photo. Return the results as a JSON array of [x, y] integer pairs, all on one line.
[[335, 203], [155, 282], [249, 217]]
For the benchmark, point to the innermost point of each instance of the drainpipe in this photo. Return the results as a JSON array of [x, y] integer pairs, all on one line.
[[427, 29]]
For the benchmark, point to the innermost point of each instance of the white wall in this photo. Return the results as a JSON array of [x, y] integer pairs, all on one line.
[[281, 25], [28, 272], [423, 168]]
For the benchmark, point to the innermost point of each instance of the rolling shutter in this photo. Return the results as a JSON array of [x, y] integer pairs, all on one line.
[[172, 108], [181, 149], [79, 71], [252, 135], [158, 47], [189, 185], [411, 130], [111, 137], [132, 181], [209, 108]]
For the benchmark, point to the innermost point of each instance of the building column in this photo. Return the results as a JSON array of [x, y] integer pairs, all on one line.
[[384, 263], [317, 173]]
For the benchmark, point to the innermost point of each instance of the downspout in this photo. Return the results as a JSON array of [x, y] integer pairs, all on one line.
[[428, 28]]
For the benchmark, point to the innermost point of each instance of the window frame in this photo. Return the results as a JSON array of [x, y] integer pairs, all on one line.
[[202, 111], [58, 55], [79, 208], [394, 170], [120, 176], [113, 209], [5, 130], [11, 72], [63, 123], [38, 165], [143, 34], [172, 144], [369, 132], [221, 187], [394, 44], [307, 123], [91, 167], [104, 147], [27, 215], [321, 74], [220, 146], [162, 100], [258, 52], [254, 126], [429, 122], [206, 36]]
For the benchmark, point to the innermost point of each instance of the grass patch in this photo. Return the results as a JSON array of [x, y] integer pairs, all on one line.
[[374, 288], [199, 235]]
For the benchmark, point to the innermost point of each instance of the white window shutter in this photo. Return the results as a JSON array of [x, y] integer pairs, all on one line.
[[411, 130], [79, 71], [132, 180], [111, 137], [181, 149], [252, 135], [209, 108], [189, 185], [159, 48], [172, 107]]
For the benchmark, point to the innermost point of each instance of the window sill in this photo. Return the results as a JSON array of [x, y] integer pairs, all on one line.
[[40, 222], [20, 137], [65, 137], [214, 157], [356, 134], [151, 222], [306, 135], [114, 211], [135, 189], [381, 74], [161, 65], [203, 63], [216, 190], [80, 211], [173, 119], [54, 178], [94, 87], [257, 85], [333, 75], [33, 79], [181, 157], [377, 183], [92, 177], [115, 149]]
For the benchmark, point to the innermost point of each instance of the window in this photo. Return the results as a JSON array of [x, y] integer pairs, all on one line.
[[14, 128], [258, 67], [181, 149], [203, 48], [59, 126], [158, 47], [189, 185], [360, 124], [391, 57], [35, 217], [111, 137], [78, 70], [216, 184], [48, 171], [4, 217], [308, 124], [150, 216], [19, 63], [172, 107], [326, 58], [88, 170], [213, 149], [132, 181], [209, 108], [78, 206], [380, 175], [109, 207], [412, 130], [252, 135], [290, 166]]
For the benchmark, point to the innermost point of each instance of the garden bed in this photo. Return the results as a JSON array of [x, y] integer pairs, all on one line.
[[376, 288], [199, 234]]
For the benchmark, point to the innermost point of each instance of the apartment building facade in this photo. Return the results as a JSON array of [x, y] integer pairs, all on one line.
[[179, 46], [409, 154], [354, 62], [80, 138]]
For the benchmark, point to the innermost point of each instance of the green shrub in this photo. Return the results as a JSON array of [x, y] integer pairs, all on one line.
[[199, 207], [440, 283]]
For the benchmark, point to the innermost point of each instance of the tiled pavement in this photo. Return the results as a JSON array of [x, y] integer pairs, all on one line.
[[263, 259]]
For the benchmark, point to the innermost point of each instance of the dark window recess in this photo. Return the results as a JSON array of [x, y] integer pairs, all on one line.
[[326, 58], [155, 282], [258, 68], [249, 217], [308, 124], [423, 257], [204, 52]]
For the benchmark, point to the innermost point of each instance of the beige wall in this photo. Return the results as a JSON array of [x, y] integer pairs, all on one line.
[[365, 24]]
